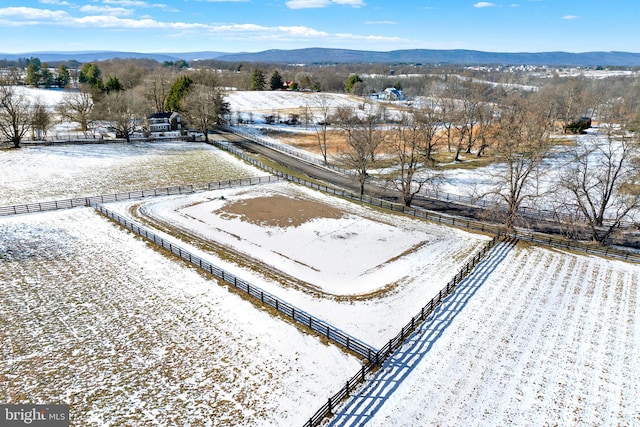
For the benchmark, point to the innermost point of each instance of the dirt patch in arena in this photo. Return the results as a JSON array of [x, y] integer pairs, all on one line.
[[278, 211]]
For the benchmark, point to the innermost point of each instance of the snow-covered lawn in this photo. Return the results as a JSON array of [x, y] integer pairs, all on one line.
[[549, 338], [92, 316], [48, 97], [34, 174]]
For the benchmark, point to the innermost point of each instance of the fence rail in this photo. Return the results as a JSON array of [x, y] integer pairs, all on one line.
[[300, 316], [69, 140], [527, 212], [131, 195], [456, 221], [394, 343], [284, 148]]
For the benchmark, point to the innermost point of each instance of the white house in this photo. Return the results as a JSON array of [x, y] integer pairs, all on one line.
[[391, 94]]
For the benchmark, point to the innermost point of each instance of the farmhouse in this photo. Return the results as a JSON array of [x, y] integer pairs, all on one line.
[[162, 123], [391, 94]]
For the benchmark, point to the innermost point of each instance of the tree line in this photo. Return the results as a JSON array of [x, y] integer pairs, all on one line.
[[597, 175], [117, 93], [464, 113]]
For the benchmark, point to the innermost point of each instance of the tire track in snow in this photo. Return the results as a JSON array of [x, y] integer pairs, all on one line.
[[364, 404]]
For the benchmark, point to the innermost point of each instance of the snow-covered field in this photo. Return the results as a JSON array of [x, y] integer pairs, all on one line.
[[34, 174], [47, 97], [254, 106], [92, 316], [95, 317], [548, 338], [375, 248], [269, 102]]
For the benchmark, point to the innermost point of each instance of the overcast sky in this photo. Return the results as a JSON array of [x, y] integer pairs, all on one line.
[[252, 25]]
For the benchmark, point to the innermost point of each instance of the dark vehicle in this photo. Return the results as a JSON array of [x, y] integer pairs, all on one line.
[[578, 126]]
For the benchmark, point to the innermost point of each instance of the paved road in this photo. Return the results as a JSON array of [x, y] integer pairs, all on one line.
[[348, 182]]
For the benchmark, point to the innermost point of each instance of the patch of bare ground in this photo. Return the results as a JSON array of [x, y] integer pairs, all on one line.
[[278, 211], [309, 141], [336, 146]]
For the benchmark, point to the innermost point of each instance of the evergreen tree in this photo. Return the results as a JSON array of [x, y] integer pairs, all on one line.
[[33, 72], [179, 64], [257, 80], [113, 85], [64, 77], [276, 81], [351, 83], [177, 93], [46, 78], [90, 74]]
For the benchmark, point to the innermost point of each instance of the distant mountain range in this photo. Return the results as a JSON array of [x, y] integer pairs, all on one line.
[[336, 56], [103, 55]]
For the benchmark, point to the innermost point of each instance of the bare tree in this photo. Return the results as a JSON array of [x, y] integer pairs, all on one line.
[[449, 113], [40, 121], [415, 169], [323, 106], [486, 117], [77, 107], [464, 116], [124, 109], [600, 174], [572, 104], [15, 114], [522, 143], [156, 88], [205, 107], [362, 137], [428, 124]]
